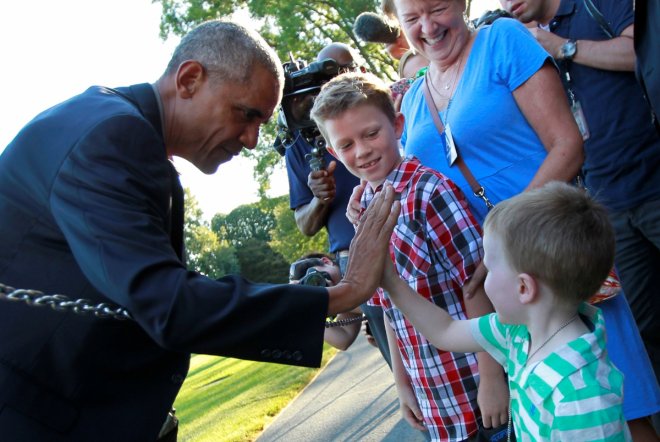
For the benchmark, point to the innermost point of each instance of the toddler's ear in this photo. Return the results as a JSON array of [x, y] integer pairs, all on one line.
[[331, 151], [528, 288]]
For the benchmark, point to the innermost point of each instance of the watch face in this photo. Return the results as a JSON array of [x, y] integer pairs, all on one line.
[[568, 49]]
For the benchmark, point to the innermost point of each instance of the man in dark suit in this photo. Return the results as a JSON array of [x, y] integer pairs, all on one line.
[[92, 208]]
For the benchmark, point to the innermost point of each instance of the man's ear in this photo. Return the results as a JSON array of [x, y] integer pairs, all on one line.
[[528, 288], [326, 260], [189, 78]]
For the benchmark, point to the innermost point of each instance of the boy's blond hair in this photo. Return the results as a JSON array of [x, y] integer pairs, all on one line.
[[559, 235], [348, 91]]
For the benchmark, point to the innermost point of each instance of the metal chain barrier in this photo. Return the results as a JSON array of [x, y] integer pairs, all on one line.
[[63, 303], [343, 322]]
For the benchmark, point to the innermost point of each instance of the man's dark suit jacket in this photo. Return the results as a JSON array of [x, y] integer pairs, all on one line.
[[647, 49], [85, 211]]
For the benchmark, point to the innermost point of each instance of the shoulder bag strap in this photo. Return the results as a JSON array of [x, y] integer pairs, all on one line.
[[477, 188], [596, 15]]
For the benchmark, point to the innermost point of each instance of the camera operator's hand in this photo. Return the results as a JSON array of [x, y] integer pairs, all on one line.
[[354, 207], [322, 183], [369, 252], [311, 217]]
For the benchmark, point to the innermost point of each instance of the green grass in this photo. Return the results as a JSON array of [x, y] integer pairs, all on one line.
[[226, 400]]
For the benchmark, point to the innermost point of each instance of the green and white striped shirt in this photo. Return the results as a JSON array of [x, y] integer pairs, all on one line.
[[574, 394]]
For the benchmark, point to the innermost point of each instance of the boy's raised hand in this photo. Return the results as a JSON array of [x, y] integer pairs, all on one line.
[[367, 254], [354, 207]]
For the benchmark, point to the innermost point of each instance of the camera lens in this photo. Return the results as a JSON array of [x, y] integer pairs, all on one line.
[[315, 278]]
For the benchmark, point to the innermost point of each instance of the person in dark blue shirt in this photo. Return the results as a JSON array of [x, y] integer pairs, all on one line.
[[319, 198]]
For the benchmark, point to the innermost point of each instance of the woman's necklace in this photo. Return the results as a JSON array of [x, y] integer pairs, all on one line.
[[449, 86]]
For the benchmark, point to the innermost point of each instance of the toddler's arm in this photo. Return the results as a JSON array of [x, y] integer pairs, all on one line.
[[433, 322]]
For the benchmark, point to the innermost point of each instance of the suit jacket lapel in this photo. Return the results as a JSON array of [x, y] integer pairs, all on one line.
[[144, 98]]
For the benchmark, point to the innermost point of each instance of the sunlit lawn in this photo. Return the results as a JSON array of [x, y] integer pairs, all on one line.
[[226, 399]]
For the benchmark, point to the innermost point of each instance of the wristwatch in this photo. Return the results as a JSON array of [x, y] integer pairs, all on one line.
[[568, 50]]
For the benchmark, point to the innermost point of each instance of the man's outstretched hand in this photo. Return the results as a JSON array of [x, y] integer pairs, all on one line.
[[369, 252]]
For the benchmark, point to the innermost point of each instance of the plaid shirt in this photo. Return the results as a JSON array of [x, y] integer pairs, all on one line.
[[436, 246]]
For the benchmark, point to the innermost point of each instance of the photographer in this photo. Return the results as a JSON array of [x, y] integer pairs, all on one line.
[[318, 269], [320, 197]]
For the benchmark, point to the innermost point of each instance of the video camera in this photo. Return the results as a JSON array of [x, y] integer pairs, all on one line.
[[302, 83]]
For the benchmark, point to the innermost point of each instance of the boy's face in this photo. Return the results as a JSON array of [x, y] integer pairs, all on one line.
[[366, 142], [502, 281]]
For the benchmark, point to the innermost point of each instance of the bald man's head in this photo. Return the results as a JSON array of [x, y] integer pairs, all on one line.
[[341, 53]]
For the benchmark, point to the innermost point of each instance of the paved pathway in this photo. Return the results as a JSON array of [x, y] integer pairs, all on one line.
[[352, 399]]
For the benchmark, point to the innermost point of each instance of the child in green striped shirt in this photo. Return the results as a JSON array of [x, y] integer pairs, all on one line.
[[547, 251]]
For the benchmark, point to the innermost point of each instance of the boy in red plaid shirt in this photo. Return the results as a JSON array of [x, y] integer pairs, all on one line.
[[436, 247]]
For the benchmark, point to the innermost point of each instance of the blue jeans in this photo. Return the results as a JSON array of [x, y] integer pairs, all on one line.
[[638, 263]]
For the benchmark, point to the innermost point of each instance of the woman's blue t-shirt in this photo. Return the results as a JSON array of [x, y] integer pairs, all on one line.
[[495, 140]]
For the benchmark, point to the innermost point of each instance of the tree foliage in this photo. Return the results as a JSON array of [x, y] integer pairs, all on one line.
[[206, 253], [244, 222], [260, 263], [287, 238], [301, 28], [257, 240], [289, 26], [248, 229]]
